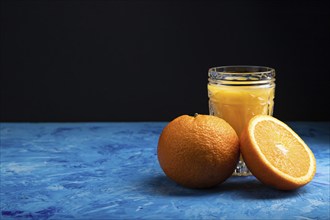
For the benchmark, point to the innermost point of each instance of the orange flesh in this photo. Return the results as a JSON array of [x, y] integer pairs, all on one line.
[[282, 149]]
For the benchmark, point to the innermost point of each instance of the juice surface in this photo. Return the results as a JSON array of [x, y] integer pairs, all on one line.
[[237, 104]]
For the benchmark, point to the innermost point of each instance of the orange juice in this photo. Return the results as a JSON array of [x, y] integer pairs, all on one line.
[[237, 93], [238, 104]]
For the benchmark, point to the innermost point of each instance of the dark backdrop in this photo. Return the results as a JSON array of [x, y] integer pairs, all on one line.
[[148, 60]]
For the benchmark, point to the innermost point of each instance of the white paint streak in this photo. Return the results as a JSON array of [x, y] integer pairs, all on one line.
[[102, 208], [55, 187], [20, 168]]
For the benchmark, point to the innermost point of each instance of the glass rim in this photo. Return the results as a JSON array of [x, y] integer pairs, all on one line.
[[241, 73]]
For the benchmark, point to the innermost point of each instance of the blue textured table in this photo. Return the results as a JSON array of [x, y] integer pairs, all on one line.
[[110, 170]]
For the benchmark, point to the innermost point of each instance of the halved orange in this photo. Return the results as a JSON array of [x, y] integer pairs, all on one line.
[[275, 154]]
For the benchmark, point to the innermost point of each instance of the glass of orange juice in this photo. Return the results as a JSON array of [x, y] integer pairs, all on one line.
[[237, 93]]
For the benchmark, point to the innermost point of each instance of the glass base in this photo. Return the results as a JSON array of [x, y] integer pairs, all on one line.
[[241, 169]]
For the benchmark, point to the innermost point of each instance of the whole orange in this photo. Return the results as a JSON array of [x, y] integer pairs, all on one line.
[[198, 151]]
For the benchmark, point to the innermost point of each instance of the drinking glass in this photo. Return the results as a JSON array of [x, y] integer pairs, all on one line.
[[237, 93]]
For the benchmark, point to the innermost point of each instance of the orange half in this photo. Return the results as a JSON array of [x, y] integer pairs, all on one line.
[[275, 154]]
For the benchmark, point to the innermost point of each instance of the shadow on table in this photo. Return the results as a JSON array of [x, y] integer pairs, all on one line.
[[243, 187]]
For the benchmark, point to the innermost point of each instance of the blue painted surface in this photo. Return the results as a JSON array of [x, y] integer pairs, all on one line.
[[110, 170]]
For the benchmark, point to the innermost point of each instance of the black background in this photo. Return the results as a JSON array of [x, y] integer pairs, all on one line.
[[148, 60]]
